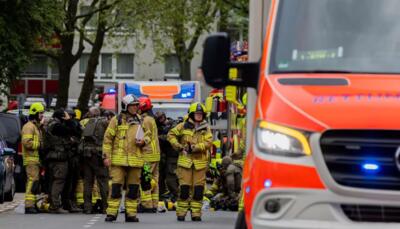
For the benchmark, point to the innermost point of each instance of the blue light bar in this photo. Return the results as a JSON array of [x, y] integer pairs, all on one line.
[[370, 167], [187, 91], [112, 91]]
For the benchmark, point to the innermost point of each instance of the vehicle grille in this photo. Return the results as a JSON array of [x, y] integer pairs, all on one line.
[[368, 213], [346, 151]]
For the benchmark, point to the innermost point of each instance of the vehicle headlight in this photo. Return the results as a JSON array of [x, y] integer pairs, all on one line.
[[280, 140]]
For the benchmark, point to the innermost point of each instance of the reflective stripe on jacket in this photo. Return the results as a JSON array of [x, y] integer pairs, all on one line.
[[119, 142], [151, 151], [31, 140], [182, 137]]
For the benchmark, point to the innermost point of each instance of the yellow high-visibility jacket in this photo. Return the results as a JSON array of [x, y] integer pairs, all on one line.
[[119, 142], [151, 151], [31, 141], [185, 135]]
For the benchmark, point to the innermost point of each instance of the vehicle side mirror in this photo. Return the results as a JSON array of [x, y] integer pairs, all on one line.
[[216, 65], [8, 152]]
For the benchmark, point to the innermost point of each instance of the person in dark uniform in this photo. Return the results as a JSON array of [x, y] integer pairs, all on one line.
[[57, 147], [74, 165], [169, 158]]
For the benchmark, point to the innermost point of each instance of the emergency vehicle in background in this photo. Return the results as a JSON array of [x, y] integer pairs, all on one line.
[[323, 139], [171, 97]]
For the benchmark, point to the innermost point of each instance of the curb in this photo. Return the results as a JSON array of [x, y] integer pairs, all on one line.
[[10, 206]]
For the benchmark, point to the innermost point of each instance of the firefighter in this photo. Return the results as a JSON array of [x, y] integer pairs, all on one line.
[[239, 159], [224, 192], [94, 128], [192, 139], [57, 146], [151, 155], [122, 145], [31, 143]]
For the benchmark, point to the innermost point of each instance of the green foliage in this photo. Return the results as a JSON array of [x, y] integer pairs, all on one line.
[[23, 25], [175, 26], [233, 17]]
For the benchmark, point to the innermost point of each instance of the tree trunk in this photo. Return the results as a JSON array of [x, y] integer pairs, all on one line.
[[88, 83], [63, 83], [185, 69], [67, 60]]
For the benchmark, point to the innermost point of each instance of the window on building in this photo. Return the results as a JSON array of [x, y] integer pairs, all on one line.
[[125, 66], [83, 64], [106, 66], [172, 67], [37, 69], [54, 70], [111, 67]]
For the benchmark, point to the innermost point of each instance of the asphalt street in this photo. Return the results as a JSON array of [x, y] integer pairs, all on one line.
[[13, 219]]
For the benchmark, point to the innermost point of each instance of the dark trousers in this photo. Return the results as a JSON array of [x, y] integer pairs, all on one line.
[[171, 179], [58, 172], [93, 168], [74, 173]]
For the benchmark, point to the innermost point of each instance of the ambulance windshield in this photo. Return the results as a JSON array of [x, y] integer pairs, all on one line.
[[349, 36]]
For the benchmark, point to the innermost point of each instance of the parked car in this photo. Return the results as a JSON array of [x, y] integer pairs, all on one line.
[[10, 131], [7, 183]]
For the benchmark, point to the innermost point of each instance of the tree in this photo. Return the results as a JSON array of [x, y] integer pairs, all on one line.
[[113, 18], [72, 27], [233, 14], [93, 61], [175, 26], [22, 25]]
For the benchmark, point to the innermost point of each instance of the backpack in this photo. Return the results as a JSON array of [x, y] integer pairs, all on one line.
[[94, 130]]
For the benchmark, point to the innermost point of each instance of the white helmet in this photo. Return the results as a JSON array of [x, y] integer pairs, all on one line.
[[128, 100]]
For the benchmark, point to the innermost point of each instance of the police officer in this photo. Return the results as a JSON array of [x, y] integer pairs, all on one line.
[[94, 128], [122, 145], [151, 155], [169, 158], [192, 139], [31, 143], [57, 146]]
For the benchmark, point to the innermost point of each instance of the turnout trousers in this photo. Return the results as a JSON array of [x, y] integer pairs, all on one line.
[[120, 175]]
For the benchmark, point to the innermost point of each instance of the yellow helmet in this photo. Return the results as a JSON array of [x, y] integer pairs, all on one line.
[[36, 108], [197, 107], [78, 114]]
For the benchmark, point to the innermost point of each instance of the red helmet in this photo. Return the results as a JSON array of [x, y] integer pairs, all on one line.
[[145, 104]]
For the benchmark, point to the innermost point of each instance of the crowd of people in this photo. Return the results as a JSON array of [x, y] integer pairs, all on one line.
[[87, 165]]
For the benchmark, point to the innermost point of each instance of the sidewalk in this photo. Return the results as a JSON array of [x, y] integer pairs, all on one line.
[[7, 206]]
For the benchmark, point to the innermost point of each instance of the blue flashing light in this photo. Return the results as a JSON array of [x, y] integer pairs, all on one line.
[[267, 183], [370, 167], [187, 91], [112, 91], [248, 189]]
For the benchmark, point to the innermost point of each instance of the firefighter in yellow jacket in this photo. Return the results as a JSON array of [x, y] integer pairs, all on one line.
[[192, 139], [122, 145], [31, 143], [151, 154]]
